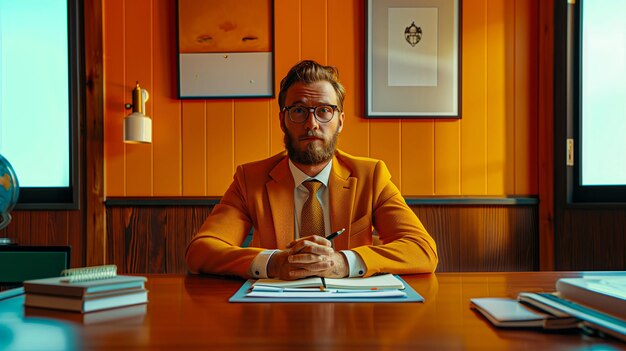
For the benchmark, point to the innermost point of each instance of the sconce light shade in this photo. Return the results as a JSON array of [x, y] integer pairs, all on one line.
[[137, 126]]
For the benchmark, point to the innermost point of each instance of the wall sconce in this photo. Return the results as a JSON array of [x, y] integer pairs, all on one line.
[[137, 126]]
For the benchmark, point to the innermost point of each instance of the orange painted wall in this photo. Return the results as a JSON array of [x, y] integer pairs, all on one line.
[[197, 144]]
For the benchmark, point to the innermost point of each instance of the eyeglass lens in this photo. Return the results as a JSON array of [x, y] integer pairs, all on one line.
[[323, 113]]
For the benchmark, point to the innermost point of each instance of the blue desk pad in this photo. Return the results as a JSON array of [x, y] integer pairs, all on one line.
[[240, 296]]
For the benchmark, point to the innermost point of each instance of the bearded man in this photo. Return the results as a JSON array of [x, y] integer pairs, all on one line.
[[294, 200]]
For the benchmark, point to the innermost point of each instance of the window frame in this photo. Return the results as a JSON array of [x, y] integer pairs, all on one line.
[[66, 198], [577, 192]]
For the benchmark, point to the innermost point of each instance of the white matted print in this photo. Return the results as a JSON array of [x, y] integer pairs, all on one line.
[[413, 59], [412, 47]]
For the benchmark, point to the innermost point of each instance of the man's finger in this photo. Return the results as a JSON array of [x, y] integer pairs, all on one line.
[[311, 269], [308, 258], [311, 248], [312, 238], [300, 273]]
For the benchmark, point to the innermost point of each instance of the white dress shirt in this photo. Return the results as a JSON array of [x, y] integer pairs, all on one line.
[[258, 269]]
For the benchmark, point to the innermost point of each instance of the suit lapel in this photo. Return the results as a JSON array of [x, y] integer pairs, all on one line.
[[342, 191], [280, 195]]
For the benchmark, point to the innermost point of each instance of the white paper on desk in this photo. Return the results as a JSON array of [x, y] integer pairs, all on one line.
[[380, 282], [323, 294], [383, 281], [300, 283]]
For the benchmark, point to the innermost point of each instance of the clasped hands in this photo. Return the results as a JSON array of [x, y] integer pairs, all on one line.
[[309, 256]]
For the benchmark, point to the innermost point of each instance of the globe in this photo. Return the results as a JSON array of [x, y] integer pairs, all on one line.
[[9, 191]]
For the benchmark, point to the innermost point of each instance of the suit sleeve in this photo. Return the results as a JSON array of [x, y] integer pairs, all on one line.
[[216, 248], [407, 247]]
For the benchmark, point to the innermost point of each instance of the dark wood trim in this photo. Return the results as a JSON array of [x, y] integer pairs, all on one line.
[[160, 201], [473, 201], [546, 135], [560, 135], [94, 211], [411, 201]]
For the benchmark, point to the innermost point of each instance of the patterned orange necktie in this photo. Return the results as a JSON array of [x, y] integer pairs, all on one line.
[[312, 216]]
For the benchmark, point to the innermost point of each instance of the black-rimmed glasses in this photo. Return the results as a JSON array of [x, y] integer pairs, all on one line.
[[299, 114]]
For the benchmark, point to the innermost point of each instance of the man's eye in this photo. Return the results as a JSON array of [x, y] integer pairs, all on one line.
[[298, 109], [325, 109]]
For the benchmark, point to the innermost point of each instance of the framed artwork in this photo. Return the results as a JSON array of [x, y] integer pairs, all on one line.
[[413, 60], [225, 49]]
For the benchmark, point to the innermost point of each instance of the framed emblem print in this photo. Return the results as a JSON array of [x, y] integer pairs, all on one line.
[[413, 59]]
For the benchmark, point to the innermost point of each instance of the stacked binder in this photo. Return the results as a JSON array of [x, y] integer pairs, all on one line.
[[593, 303]]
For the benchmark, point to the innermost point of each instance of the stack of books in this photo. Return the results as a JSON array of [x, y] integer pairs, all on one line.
[[592, 303], [598, 301], [86, 290]]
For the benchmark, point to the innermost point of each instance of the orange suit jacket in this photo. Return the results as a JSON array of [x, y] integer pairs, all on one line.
[[362, 198]]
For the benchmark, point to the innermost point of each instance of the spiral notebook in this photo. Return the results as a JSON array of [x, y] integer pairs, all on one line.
[[79, 282]]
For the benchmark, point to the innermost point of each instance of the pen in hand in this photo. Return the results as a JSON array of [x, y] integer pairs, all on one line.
[[331, 237], [335, 234]]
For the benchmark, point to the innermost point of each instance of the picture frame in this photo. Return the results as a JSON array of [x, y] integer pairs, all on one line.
[[413, 59], [225, 49]]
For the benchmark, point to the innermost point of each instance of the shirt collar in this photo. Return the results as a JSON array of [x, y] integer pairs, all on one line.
[[299, 177]]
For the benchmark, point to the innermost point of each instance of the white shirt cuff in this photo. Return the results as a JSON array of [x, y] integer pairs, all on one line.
[[355, 263], [258, 269]]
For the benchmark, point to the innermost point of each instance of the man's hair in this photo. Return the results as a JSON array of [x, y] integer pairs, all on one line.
[[307, 72]]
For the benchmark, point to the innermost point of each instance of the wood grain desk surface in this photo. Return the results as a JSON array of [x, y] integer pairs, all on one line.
[[192, 312]]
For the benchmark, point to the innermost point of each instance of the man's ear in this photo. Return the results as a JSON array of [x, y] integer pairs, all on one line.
[[341, 119], [281, 117]]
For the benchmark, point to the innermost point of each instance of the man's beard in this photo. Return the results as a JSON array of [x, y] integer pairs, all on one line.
[[313, 154]]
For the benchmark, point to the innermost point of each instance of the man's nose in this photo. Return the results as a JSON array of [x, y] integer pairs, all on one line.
[[311, 122]]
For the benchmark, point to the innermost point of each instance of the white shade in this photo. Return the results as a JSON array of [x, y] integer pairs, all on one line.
[[137, 128]]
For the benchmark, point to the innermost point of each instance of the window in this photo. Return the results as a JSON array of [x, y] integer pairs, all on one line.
[[598, 101], [40, 74]]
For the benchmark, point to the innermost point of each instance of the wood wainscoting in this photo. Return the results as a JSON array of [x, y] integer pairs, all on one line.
[[39, 227], [150, 235]]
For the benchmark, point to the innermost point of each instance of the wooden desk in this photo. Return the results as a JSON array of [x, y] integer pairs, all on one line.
[[192, 312]]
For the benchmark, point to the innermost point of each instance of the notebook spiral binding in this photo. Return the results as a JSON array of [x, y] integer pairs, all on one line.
[[89, 273]]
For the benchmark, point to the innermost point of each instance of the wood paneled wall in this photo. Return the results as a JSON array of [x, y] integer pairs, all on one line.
[[48, 228], [196, 145], [469, 238], [591, 238], [152, 239]]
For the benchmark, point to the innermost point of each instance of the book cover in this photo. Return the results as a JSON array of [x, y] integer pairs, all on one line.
[[88, 303], [63, 287], [604, 293], [537, 301], [591, 318], [510, 313], [127, 315]]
